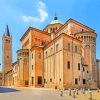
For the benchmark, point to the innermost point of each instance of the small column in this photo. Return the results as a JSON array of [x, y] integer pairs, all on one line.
[[77, 91], [98, 90], [90, 95], [69, 91], [61, 92], [73, 93], [83, 91]]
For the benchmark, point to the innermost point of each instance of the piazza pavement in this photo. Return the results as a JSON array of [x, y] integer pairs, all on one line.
[[27, 93]]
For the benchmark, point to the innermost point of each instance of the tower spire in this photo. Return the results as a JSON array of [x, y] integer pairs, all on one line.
[[6, 54], [55, 18], [7, 33]]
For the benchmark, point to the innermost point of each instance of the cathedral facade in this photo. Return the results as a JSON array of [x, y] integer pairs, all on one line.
[[59, 56]]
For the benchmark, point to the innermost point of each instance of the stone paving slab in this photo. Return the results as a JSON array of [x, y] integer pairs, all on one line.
[[12, 93]]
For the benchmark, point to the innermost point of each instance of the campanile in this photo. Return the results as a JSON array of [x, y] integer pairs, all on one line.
[[6, 53]]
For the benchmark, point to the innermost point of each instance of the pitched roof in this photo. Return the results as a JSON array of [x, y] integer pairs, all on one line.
[[35, 29], [72, 20], [61, 35]]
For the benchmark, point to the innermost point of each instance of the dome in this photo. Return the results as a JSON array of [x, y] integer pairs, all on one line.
[[56, 21]]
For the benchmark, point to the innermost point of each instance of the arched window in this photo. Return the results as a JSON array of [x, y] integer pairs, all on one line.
[[78, 66], [68, 46], [82, 30], [53, 29], [68, 64], [50, 29], [56, 28], [43, 43], [87, 38], [75, 48], [84, 38]]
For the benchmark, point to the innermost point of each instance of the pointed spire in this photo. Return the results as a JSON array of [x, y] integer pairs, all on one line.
[[7, 33]]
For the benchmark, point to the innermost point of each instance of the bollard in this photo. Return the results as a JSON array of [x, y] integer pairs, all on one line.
[[88, 89], [83, 91], [90, 95], [98, 90], [73, 93], [77, 91], [69, 91], [61, 94]]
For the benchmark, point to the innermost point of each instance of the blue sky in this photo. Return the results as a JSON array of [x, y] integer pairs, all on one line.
[[20, 14]]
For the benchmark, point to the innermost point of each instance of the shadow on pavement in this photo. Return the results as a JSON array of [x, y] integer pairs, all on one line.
[[6, 90]]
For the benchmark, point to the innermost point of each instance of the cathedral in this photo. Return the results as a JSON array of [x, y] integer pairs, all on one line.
[[59, 56]]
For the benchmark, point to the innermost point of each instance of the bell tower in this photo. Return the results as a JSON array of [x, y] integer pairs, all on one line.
[[6, 53]]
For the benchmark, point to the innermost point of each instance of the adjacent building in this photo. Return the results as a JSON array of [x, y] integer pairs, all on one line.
[[8, 78], [15, 73]]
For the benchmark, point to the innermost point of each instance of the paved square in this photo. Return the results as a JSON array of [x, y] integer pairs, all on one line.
[[12, 93], [29, 94]]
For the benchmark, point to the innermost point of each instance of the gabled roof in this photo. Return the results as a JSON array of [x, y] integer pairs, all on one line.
[[61, 35], [35, 29], [74, 21]]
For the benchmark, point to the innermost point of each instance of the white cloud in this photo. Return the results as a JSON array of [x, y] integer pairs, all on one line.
[[43, 14], [30, 18]]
